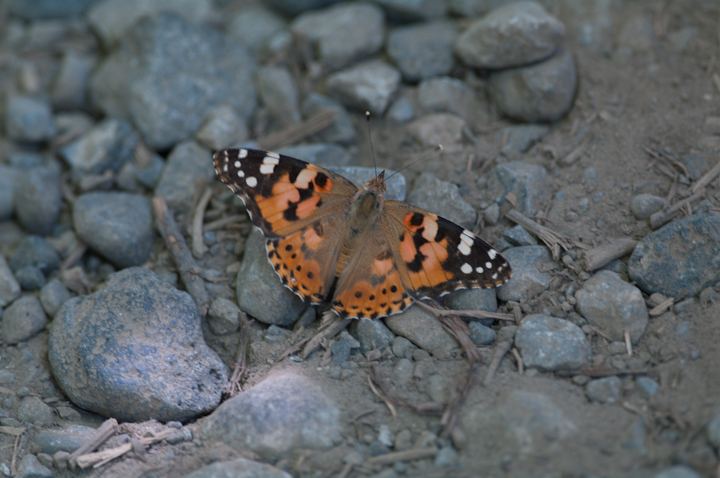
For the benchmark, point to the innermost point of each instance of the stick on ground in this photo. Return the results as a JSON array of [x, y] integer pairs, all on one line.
[[599, 256]]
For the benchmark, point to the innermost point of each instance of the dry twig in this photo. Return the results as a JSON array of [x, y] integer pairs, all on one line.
[[500, 350], [706, 178], [406, 455], [100, 458], [105, 431], [198, 244], [296, 132], [476, 314], [599, 256], [661, 218], [233, 387], [552, 239], [328, 330]]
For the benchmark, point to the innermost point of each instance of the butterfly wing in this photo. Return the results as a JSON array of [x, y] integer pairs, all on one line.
[[299, 207]]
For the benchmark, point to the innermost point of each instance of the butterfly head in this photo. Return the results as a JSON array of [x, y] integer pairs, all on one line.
[[377, 185]]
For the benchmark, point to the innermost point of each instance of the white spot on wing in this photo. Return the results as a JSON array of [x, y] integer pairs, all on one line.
[[488, 265], [242, 154], [267, 168], [466, 268], [251, 181], [225, 168], [479, 270], [240, 173], [237, 164], [271, 159], [303, 179], [464, 248], [492, 253], [273, 154]]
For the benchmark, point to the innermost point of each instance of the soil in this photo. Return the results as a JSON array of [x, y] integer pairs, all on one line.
[[656, 99]]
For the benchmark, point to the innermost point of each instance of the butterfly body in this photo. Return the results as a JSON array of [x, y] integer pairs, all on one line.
[[322, 232]]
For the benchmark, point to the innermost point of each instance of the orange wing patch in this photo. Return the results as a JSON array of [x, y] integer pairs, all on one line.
[[424, 251]]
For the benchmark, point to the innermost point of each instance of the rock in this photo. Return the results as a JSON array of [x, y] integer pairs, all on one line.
[[442, 198], [445, 94], [38, 200], [238, 468], [474, 8], [254, 26], [437, 129], [8, 179], [167, 75], [260, 292], [30, 278], [473, 299], [538, 92], [222, 129], [178, 184], [644, 205], [116, 225], [323, 154], [9, 287], [551, 344], [278, 94], [342, 34], [713, 431], [412, 10], [401, 111], [424, 330], [342, 348], [402, 347], [33, 409], [613, 306], [515, 34], [30, 467], [528, 182], [34, 9], [223, 316], [522, 137], [52, 440], [648, 386], [372, 334], [70, 85], [106, 147], [279, 415], [604, 390], [528, 278], [112, 19], [295, 7], [359, 176], [424, 50], [366, 86], [592, 23], [28, 119], [134, 350], [35, 251], [519, 236], [341, 131], [678, 471], [680, 259], [481, 335]]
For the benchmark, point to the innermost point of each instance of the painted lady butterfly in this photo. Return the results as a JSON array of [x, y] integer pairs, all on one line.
[[379, 255]]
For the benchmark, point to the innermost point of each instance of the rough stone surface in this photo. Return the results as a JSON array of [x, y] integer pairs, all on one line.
[[117, 225], [182, 178], [604, 390], [713, 430], [280, 414], [37, 199], [295, 7], [223, 128], [33, 409], [613, 306], [30, 278], [254, 26], [679, 259], [260, 292], [515, 34], [551, 344], [342, 34], [521, 137], [238, 468], [70, 84], [367, 86], [341, 131], [35, 251], [539, 92], [527, 181], [473, 299], [28, 119], [437, 129], [424, 330], [678, 471], [223, 316], [372, 334], [30, 467], [323, 154], [279, 95], [422, 51], [442, 198], [47, 8], [450, 95], [403, 11], [104, 350], [644, 205], [481, 335], [52, 440], [8, 179], [167, 75], [9, 287], [22, 320], [528, 278]]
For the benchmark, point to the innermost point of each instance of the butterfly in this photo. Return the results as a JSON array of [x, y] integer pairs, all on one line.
[[326, 238]]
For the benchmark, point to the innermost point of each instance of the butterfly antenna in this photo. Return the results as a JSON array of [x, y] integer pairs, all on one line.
[[372, 150], [437, 148]]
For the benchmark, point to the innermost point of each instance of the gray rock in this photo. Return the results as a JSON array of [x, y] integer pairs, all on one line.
[[424, 330], [223, 128], [511, 35], [679, 259], [70, 85], [35, 251], [342, 348], [323, 154], [106, 146], [613, 306], [713, 431], [52, 440], [52, 296], [32, 409], [278, 94], [254, 26], [238, 468], [342, 34], [437, 129], [28, 119], [178, 182], [116, 225], [30, 467], [402, 347], [38, 200], [528, 278], [372, 334], [341, 131], [492, 214], [527, 181], [280, 414], [403, 371], [678, 471], [519, 236], [412, 10], [22, 320], [223, 316], [593, 23], [134, 350], [367, 86], [401, 111], [644, 205], [539, 92], [442, 198], [481, 335], [395, 183], [260, 292], [6, 377], [474, 8], [648, 386], [295, 7], [522, 137], [551, 344], [424, 50], [275, 334], [34, 9], [9, 287], [604, 390], [445, 94], [30, 278], [473, 299], [112, 19], [134, 175], [167, 75], [8, 179]]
